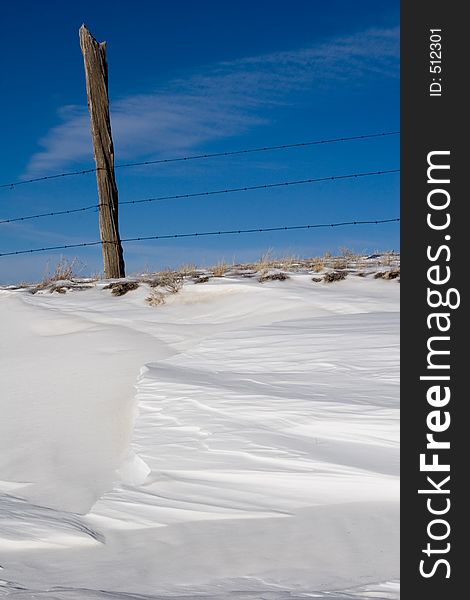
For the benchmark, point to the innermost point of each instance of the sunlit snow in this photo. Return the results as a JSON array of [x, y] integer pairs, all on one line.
[[239, 441]]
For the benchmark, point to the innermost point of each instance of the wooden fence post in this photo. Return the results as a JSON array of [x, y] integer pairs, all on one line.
[[96, 72]]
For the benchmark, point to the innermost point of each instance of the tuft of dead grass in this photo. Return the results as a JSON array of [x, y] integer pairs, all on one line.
[[334, 276], [119, 288], [155, 298], [219, 269], [347, 252], [163, 283], [65, 270], [269, 260], [266, 260], [288, 262], [188, 270], [201, 279], [388, 259], [392, 274], [317, 265], [171, 281], [266, 276]]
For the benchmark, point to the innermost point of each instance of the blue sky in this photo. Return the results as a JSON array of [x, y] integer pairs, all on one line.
[[199, 77]]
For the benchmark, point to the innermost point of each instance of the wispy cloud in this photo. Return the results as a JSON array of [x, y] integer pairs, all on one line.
[[226, 99], [35, 236]]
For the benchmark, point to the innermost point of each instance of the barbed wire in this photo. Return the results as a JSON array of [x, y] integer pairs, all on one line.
[[202, 234], [201, 194], [14, 184], [261, 149], [50, 214], [262, 186]]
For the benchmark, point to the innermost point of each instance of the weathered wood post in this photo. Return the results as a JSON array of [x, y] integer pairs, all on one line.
[[96, 72]]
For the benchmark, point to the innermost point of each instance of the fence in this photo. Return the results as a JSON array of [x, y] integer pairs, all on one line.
[[240, 189]]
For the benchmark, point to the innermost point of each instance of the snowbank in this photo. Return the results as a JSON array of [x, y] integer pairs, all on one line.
[[259, 457]]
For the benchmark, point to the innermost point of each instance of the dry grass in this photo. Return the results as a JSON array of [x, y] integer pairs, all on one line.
[[265, 261], [340, 263], [201, 279], [219, 269], [388, 259], [155, 298], [171, 281], [334, 276], [317, 265], [266, 276], [346, 260], [188, 270], [167, 281], [347, 252], [119, 288], [268, 260], [392, 274], [66, 276], [320, 263], [290, 261], [65, 270]]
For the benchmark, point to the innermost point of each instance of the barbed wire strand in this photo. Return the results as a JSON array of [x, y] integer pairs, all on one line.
[[261, 149], [202, 234], [262, 186], [50, 214], [201, 194], [14, 184]]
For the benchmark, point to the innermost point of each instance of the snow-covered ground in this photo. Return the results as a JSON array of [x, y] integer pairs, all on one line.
[[256, 457]]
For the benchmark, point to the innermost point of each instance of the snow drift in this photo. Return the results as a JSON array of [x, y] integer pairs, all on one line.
[[258, 457]]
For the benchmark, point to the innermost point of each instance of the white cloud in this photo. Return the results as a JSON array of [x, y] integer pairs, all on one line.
[[226, 99]]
